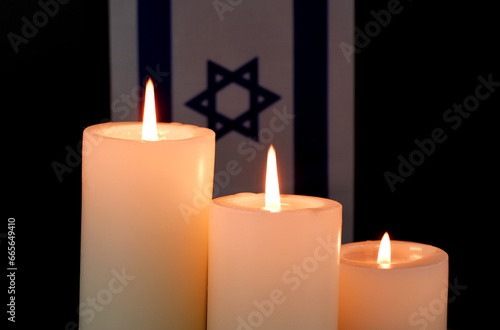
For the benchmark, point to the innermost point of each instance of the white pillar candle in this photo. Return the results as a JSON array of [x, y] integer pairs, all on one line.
[[145, 226], [273, 269], [407, 291]]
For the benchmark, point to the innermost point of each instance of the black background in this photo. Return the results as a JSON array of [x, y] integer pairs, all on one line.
[[425, 60], [54, 87]]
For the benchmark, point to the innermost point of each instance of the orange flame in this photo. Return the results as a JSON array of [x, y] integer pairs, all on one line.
[[149, 130], [384, 252], [273, 202]]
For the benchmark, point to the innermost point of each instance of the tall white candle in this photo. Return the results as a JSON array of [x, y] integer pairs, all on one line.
[[270, 268], [408, 290], [145, 226]]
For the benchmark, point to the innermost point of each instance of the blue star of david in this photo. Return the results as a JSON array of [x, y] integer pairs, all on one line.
[[218, 78]]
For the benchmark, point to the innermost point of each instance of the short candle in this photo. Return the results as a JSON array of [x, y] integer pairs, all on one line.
[[410, 291]]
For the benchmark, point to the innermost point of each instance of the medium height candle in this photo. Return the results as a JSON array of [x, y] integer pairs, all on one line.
[[145, 226], [404, 287], [273, 261]]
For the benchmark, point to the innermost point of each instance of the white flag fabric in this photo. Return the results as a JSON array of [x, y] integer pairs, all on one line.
[[257, 73]]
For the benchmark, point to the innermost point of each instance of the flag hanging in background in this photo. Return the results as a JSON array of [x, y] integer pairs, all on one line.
[[257, 73]]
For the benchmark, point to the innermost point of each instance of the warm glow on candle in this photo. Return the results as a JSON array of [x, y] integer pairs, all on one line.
[[149, 130], [273, 203], [384, 252]]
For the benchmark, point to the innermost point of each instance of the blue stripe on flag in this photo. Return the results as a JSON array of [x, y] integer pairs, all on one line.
[[310, 90], [154, 52]]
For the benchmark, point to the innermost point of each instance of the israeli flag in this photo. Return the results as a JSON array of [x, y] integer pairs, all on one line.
[[257, 73]]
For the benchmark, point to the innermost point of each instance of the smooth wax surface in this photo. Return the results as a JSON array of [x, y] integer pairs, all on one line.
[[145, 217], [410, 293], [273, 270]]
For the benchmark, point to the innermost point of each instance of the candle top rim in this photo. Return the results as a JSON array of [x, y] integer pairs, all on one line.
[[255, 202], [405, 254], [132, 131]]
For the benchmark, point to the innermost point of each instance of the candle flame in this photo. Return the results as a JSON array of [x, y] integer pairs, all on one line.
[[149, 130], [273, 202], [384, 252]]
